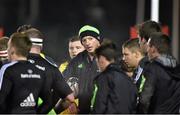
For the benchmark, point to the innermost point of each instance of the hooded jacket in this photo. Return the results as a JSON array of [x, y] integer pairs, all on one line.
[[116, 92], [159, 85]]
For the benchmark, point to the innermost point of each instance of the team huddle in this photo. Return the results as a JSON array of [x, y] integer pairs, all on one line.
[[95, 80]]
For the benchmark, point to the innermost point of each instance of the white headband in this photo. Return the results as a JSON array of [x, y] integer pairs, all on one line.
[[38, 44], [36, 40]]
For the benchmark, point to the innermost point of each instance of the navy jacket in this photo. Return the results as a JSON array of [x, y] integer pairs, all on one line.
[[158, 87], [116, 92], [85, 70]]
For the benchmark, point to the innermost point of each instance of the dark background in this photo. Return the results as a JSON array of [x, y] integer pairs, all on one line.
[[60, 19]]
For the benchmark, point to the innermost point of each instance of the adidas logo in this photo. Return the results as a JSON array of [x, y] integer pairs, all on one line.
[[29, 101]]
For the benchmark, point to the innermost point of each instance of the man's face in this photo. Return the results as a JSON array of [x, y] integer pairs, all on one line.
[[129, 58], [90, 43], [75, 48], [102, 63]]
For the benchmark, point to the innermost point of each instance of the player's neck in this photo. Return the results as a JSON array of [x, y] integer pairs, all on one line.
[[91, 55], [18, 58], [35, 50]]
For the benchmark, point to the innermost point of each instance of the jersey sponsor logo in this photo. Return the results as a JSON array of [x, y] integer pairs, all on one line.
[[30, 71], [31, 61], [29, 101], [40, 67], [30, 75]]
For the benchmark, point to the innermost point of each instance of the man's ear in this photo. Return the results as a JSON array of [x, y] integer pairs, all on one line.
[[154, 49], [12, 52], [137, 54]]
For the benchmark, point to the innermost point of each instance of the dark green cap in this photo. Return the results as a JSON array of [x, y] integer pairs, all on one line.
[[88, 30]]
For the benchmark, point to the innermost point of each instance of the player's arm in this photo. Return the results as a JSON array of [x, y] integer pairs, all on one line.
[[46, 96], [61, 87]]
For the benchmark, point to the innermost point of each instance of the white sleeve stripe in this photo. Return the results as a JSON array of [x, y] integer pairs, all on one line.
[[2, 70], [3, 51], [3, 55]]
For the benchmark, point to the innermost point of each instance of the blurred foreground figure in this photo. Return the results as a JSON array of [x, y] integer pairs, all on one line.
[[3, 50], [59, 87], [21, 82], [161, 90]]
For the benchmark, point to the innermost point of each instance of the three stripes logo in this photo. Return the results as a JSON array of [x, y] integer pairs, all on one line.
[[29, 101]]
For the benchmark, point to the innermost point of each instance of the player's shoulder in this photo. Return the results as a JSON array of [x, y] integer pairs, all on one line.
[[8, 65], [49, 60]]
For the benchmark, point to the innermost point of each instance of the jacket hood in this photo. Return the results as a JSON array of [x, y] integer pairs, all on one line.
[[170, 64], [167, 61]]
